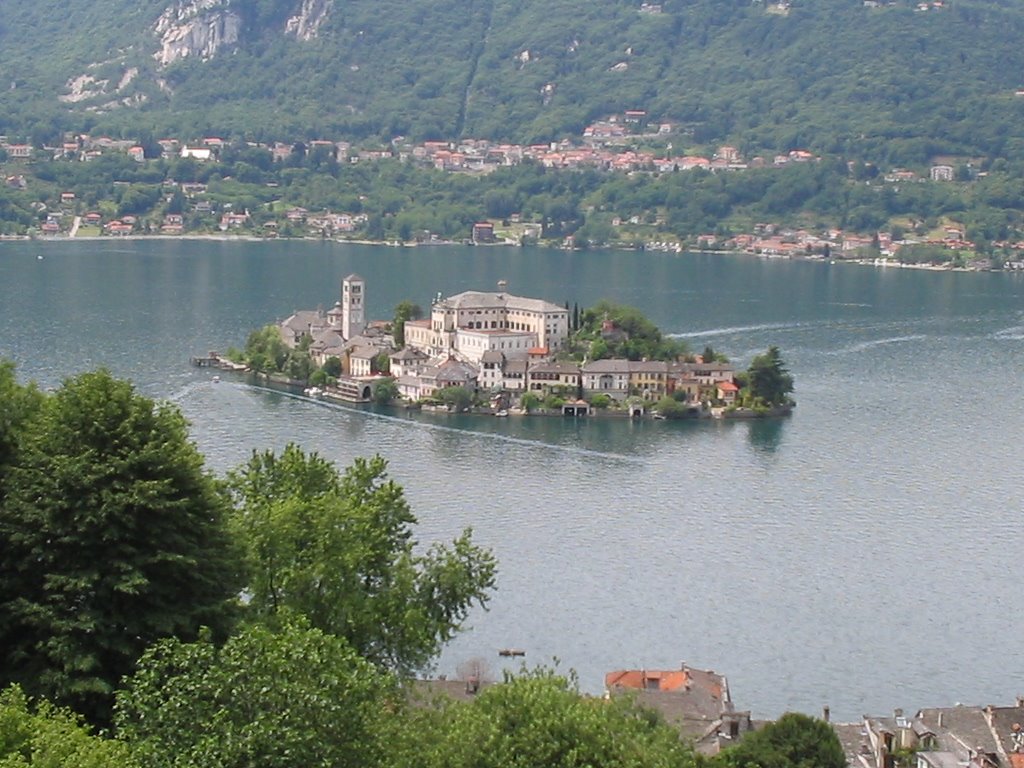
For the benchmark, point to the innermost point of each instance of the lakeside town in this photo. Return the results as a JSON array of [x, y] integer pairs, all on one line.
[[700, 705], [629, 144], [499, 353]]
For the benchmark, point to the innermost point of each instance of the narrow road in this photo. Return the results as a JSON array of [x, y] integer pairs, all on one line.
[[74, 226]]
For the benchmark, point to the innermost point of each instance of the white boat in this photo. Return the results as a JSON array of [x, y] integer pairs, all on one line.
[[501, 413], [216, 379]]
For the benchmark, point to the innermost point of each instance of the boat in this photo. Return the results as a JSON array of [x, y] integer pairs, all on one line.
[[216, 379], [511, 652], [312, 391], [502, 413]]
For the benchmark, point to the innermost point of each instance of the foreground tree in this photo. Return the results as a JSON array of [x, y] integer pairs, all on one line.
[[339, 550], [49, 737], [112, 536], [273, 699], [793, 741], [539, 719], [17, 405]]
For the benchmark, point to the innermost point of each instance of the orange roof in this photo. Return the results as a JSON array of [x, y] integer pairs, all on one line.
[[728, 386], [538, 351], [666, 680]]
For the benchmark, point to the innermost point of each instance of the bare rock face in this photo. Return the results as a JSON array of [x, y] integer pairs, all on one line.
[[306, 24], [196, 28]]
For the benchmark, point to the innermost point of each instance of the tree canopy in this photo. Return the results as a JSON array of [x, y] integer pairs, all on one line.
[[281, 698], [539, 718], [768, 381], [112, 536], [793, 741], [338, 549]]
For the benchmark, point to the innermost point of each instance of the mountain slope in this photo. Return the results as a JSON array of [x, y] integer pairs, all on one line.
[[888, 82]]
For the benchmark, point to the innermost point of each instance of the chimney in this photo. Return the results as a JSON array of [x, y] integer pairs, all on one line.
[[1020, 702], [940, 719], [898, 712], [826, 713]]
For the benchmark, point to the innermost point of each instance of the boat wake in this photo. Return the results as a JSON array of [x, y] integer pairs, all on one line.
[[866, 345], [406, 422], [730, 330]]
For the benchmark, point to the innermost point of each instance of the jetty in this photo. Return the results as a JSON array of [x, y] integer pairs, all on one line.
[[216, 360]]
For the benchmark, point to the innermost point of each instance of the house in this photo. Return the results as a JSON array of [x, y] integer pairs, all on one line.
[[608, 377], [407, 361], [492, 364], [19, 151], [174, 224], [545, 377], [941, 173], [649, 379], [202, 154], [727, 392], [695, 701], [943, 737], [137, 153], [362, 361], [483, 232], [233, 221]]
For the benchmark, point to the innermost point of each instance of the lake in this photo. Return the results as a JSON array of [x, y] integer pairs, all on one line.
[[860, 553]]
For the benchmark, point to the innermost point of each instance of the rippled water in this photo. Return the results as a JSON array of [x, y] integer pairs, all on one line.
[[862, 553]]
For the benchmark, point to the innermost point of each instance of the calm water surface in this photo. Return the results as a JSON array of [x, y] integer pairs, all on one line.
[[862, 553]]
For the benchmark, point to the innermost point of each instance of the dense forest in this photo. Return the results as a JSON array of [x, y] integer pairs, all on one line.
[[884, 81], [153, 615]]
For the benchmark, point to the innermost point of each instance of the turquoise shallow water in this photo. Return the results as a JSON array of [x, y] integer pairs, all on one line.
[[862, 553]]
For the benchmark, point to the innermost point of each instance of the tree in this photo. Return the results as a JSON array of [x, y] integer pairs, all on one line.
[[540, 719], [768, 381], [50, 737], [385, 392], [404, 311], [265, 350], [457, 398], [274, 699], [17, 405], [793, 741], [338, 550], [112, 536]]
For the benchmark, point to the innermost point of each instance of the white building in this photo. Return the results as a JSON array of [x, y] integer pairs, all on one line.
[[474, 322]]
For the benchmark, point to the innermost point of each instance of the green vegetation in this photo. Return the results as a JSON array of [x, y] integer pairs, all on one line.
[[337, 549], [113, 536], [267, 698], [609, 330], [40, 735], [767, 382]]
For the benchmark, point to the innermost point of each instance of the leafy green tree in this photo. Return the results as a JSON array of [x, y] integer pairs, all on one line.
[[671, 408], [385, 391], [332, 366], [457, 398], [540, 719], [339, 550], [275, 699], [793, 741], [17, 405], [265, 350], [46, 736], [768, 381], [404, 311], [112, 536]]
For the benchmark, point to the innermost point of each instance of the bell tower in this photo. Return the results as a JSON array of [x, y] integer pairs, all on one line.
[[353, 306]]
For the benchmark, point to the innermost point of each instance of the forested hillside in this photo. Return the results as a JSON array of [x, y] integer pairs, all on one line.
[[893, 82]]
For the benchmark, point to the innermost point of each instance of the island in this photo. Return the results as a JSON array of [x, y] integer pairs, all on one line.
[[498, 353]]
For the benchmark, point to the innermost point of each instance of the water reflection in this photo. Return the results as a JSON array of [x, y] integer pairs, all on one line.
[[765, 435]]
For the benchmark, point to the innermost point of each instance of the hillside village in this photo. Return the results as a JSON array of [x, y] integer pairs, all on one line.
[[628, 143], [507, 350]]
